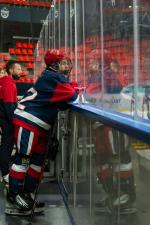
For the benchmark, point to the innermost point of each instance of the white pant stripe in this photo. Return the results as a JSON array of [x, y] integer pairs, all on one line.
[[19, 168], [30, 143], [19, 138], [123, 167]]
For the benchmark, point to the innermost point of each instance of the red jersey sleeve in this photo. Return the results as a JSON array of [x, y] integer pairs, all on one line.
[[64, 92]]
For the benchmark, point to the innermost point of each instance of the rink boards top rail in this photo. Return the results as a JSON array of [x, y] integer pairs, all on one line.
[[139, 129]]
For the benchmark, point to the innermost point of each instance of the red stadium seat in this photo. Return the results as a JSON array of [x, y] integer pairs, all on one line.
[[5, 57], [21, 79], [47, 4], [26, 58], [24, 45], [32, 79], [24, 51], [25, 2], [18, 45], [20, 58], [11, 51], [18, 2], [30, 52], [23, 74], [42, 4], [5, 2], [27, 79], [29, 45], [31, 58], [35, 3], [30, 65], [18, 51]]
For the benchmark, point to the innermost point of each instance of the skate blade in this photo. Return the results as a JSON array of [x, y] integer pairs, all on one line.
[[103, 210], [16, 212], [106, 210], [128, 211]]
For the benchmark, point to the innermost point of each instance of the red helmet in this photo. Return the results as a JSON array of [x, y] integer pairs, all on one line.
[[52, 56]]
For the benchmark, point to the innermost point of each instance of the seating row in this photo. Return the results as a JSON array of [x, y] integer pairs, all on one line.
[[45, 4], [25, 45], [20, 51]]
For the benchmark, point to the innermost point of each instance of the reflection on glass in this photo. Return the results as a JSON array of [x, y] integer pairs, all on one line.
[[114, 168], [100, 38], [107, 176], [106, 173]]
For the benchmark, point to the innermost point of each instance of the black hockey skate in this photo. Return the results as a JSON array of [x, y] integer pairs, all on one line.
[[103, 207], [121, 205], [128, 210], [124, 205], [19, 204], [12, 210], [38, 204]]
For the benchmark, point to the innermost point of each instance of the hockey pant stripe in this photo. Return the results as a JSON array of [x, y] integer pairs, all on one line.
[[37, 144]]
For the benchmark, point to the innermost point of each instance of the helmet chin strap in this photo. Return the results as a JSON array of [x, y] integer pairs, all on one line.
[[65, 72], [51, 68], [54, 66]]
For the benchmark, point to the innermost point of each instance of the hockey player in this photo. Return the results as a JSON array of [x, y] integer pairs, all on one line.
[[114, 168], [8, 103], [33, 119]]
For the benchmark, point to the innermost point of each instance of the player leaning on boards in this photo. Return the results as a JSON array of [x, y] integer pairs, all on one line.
[[32, 120]]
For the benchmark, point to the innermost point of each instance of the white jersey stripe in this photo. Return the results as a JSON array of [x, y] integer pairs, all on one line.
[[32, 118]]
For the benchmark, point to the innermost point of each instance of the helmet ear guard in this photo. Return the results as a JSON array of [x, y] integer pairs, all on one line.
[[54, 58], [54, 66]]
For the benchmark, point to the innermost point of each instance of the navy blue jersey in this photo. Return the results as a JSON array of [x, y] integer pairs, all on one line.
[[41, 103]]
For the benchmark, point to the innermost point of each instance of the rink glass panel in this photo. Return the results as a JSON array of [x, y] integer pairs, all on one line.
[[108, 42], [99, 164]]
